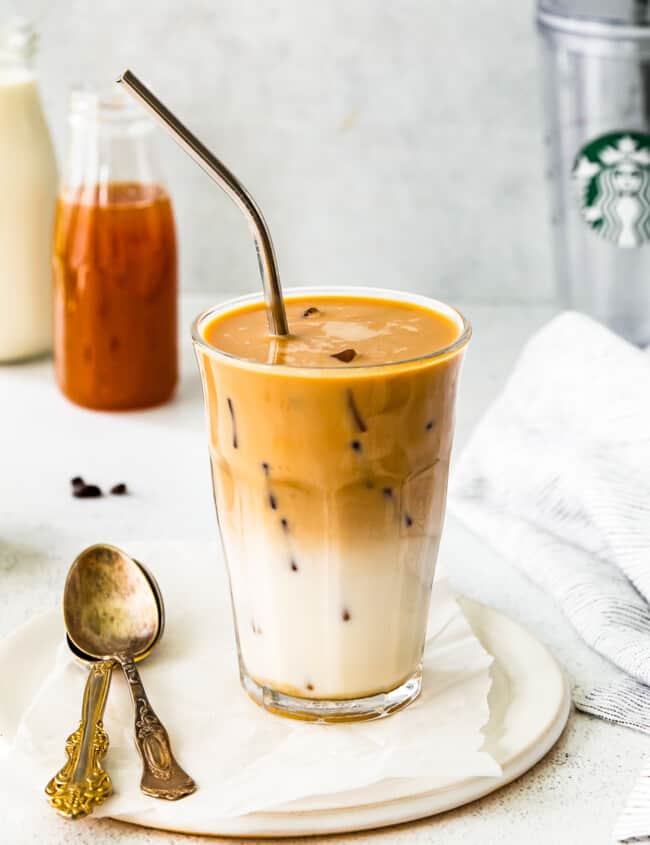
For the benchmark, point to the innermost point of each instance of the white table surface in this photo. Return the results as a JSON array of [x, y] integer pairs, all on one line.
[[573, 796]]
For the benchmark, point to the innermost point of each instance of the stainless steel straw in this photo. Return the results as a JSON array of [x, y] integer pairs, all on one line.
[[218, 171]]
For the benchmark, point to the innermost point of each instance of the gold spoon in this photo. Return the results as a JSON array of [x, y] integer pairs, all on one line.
[[114, 613], [82, 784]]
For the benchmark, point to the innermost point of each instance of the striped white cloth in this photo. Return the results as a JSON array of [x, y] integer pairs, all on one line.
[[557, 478], [634, 823]]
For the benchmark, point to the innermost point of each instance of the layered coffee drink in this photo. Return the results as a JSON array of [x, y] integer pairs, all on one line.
[[330, 453]]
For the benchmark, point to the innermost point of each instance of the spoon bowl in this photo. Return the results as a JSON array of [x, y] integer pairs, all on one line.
[[85, 657], [110, 605]]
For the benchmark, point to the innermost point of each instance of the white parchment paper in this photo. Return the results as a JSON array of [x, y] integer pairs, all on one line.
[[243, 759]]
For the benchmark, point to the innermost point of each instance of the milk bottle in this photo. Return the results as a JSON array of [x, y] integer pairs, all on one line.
[[29, 181]]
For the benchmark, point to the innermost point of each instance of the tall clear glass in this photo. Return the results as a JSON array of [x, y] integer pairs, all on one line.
[[331, 558], [115, 265]]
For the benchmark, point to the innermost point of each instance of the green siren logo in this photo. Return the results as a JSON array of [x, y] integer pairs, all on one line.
[[612, 175]]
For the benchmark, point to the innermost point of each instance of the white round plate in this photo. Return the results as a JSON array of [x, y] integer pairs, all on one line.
[[529, 707]]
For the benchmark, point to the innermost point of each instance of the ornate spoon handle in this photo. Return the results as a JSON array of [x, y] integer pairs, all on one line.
[[162, 777], [82, 784]]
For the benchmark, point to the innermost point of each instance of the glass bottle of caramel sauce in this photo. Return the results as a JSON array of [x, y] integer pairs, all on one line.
[[115, 264]]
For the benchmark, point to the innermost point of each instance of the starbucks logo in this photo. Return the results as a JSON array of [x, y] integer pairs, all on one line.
[[612, 176]]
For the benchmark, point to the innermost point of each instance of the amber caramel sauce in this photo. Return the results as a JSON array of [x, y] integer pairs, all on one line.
[[115, 289], [361, 330]]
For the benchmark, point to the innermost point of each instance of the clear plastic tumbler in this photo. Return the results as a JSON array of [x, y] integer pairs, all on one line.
[[596, 72]]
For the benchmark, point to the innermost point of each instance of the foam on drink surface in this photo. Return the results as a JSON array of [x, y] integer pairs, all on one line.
[[378, 331]]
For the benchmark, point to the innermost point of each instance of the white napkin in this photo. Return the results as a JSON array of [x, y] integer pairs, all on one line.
[[557, 478], [244, 759]]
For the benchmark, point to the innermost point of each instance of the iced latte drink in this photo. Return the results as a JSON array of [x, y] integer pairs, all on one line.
[[330, 454]]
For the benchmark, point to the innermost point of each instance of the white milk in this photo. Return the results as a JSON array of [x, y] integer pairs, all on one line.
[[386, 585], [28, 186]]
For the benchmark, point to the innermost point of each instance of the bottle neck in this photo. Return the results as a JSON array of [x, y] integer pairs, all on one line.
[[18, 46], [110, 144]]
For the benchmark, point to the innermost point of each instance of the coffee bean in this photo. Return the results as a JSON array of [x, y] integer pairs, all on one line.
[[345, 355], [309, 311], [119, 489], [87, 491], [77, 481], [346, 614]]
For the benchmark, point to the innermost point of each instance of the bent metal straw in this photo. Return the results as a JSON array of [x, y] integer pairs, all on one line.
[[275, 311]]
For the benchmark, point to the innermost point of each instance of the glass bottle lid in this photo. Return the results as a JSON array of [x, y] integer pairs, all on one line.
[[18, 40], [612, 13]]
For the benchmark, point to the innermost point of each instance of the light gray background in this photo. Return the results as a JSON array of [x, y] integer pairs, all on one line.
[[392, 143]]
